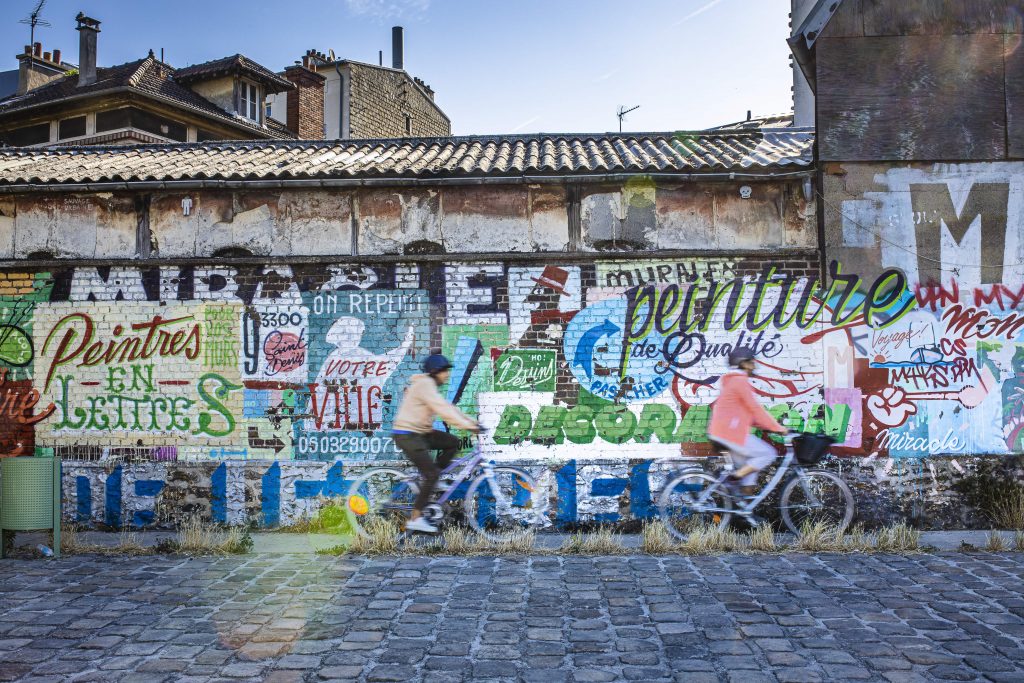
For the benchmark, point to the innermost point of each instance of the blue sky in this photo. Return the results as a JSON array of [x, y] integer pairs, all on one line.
[[505, 66]]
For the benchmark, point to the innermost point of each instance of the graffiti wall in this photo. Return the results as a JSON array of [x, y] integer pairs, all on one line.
[[252, 391], [945, 378]]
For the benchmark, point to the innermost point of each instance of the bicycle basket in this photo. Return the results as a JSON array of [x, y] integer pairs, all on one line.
[[811, 448]]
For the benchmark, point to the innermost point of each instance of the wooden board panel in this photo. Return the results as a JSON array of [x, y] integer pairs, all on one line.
[[942, 17], [1013, 52], [911, 98], [848, 21]]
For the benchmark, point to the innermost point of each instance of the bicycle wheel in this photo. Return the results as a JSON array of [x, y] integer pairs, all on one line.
[[686, 504], [816, 496], [502, 503], [380, 495]]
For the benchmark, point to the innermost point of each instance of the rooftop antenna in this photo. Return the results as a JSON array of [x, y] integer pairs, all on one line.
[[622, 114], [34, 20]]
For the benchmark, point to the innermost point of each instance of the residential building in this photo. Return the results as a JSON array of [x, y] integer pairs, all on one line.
[[364, 100], [146, 100]]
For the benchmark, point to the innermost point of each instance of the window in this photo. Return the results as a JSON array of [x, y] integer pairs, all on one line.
[[29, 135], [408, 125], [267, 107], [249, 100], [130, 117], [71, 128]]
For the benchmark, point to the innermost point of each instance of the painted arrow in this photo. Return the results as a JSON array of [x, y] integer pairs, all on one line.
[[584, 355]]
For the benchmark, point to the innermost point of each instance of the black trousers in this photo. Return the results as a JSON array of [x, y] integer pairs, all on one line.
[[417, 449]]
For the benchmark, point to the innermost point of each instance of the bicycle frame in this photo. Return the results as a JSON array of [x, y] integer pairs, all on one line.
[[766, 490], [468, 464]]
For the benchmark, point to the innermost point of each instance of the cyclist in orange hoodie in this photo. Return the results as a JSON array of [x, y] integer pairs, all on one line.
[[734, 414]]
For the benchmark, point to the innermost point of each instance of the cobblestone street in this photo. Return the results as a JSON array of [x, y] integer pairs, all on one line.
[[743, 618]]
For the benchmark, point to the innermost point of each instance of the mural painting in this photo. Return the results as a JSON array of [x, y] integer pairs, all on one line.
[[279, 382]]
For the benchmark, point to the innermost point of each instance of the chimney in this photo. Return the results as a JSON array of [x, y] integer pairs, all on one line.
[[36, 68], [305, 104], [87, 30], [803, 97], [397, 47]]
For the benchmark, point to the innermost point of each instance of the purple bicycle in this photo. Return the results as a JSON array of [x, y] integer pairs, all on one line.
[[497, 502]]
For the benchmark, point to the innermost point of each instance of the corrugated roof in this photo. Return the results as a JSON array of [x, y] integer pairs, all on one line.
[[148, 76], [514, 155]]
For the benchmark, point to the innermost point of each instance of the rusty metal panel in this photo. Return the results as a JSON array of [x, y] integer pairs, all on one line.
[[911, 97]]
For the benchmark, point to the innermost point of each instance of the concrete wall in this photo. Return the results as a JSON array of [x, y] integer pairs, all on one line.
[[462, 219]]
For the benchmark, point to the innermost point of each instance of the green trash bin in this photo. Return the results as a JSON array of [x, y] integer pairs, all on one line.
[[30, 497]]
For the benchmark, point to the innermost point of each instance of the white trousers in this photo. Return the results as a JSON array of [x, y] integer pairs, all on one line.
[[759, 454]]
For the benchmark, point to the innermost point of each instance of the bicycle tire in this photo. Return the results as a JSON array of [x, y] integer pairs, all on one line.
[[831, 487], [378, 504], [485, 517], [675, 505]]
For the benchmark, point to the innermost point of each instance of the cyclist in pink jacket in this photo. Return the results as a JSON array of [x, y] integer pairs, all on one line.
[[734, 414]]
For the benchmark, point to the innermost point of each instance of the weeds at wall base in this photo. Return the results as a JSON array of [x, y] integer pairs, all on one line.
[[385, 537]]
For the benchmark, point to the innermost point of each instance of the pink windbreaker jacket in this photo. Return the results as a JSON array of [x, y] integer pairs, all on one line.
[[737, 411]]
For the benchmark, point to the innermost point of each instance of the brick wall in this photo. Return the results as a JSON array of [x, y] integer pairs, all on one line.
[[381, 99], [304, 107]]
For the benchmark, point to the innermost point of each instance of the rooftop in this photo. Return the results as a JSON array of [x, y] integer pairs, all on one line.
[[235, 64], [148, 76], [763, 151]]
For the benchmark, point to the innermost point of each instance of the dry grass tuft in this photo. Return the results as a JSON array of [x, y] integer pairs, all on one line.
[[1008, 511], [706, 540], [382, 538], [898, 538], [857, 540], [1018, 541], [996, 542], [762, 539], [196, 537], [604, 541], [818, 537], [72, 543], [519, 543], [656, 540]]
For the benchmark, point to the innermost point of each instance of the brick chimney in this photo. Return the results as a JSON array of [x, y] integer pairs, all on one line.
[[36, 68], [305, 104], [87, 30]]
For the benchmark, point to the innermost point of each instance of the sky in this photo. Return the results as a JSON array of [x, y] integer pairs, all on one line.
[[497, 66]]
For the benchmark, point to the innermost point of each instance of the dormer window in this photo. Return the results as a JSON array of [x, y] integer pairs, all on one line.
[[249, 100]]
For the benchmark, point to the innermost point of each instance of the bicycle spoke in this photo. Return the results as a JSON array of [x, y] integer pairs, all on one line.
[[502, 503], [816, 498], [691, 501]]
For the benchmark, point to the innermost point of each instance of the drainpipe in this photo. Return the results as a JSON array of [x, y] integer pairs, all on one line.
[[341, 103]]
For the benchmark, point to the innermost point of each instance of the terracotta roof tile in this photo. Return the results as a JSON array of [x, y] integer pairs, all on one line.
[[514, 155]]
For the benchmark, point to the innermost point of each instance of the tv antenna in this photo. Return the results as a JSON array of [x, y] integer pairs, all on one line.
[[622, 114], [34, 20]]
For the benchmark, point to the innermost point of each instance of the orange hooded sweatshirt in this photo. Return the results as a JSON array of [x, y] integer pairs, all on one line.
[[736, 411]]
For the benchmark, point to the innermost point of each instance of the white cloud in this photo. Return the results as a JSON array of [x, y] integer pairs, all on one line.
[[388, 9]]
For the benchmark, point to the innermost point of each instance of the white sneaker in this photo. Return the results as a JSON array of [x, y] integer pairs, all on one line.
[[421, 524]]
